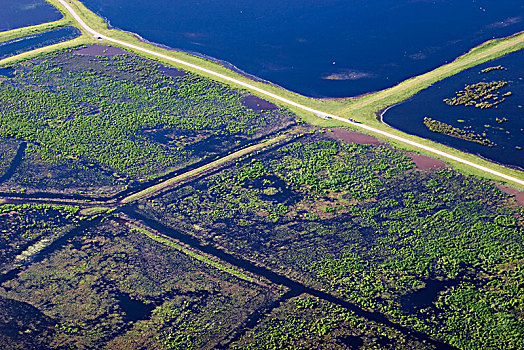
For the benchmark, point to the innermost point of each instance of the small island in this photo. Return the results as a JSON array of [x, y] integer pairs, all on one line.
[[443, 128], [481, 95], [491, 69]]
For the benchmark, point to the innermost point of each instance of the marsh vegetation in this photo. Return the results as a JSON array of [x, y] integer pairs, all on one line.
[[364, 224], [313, 241], [119, 120]]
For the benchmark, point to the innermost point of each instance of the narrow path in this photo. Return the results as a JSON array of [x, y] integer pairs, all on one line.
[[174, 180], [295, 287], [289, 102]]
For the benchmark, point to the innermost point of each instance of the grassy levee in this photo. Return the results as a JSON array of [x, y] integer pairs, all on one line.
[[363, 108], [25, 31], [67, 20], [366, 108], [483, 53], [81, 40], [158, 237], [96, 210], [203, 169]]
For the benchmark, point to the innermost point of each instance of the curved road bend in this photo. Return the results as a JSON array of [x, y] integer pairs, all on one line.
[[292, 103]]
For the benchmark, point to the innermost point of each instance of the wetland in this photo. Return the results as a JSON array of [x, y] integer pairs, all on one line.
[[364, 224], [105, 117], [479, 111], [327, 238]]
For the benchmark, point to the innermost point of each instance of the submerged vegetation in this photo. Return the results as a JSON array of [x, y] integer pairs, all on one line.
[[443, 128], [491, 69], [481, 95]]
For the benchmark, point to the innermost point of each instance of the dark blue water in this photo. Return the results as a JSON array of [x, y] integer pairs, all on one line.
[[18, 46], [135, 310], [7, 72], [21, 13], [333, 48], [409, 115]]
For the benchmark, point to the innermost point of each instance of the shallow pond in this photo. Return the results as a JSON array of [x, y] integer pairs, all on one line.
[[507, 134], [32, 42], [22, 13], [135, 310], [7, 72], [332, 48], [426, 296]]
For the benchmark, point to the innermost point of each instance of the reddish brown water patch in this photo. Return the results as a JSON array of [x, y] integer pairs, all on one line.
[[519, 195], [425, 162], [100, 50], [257, 104], [354, 137]]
